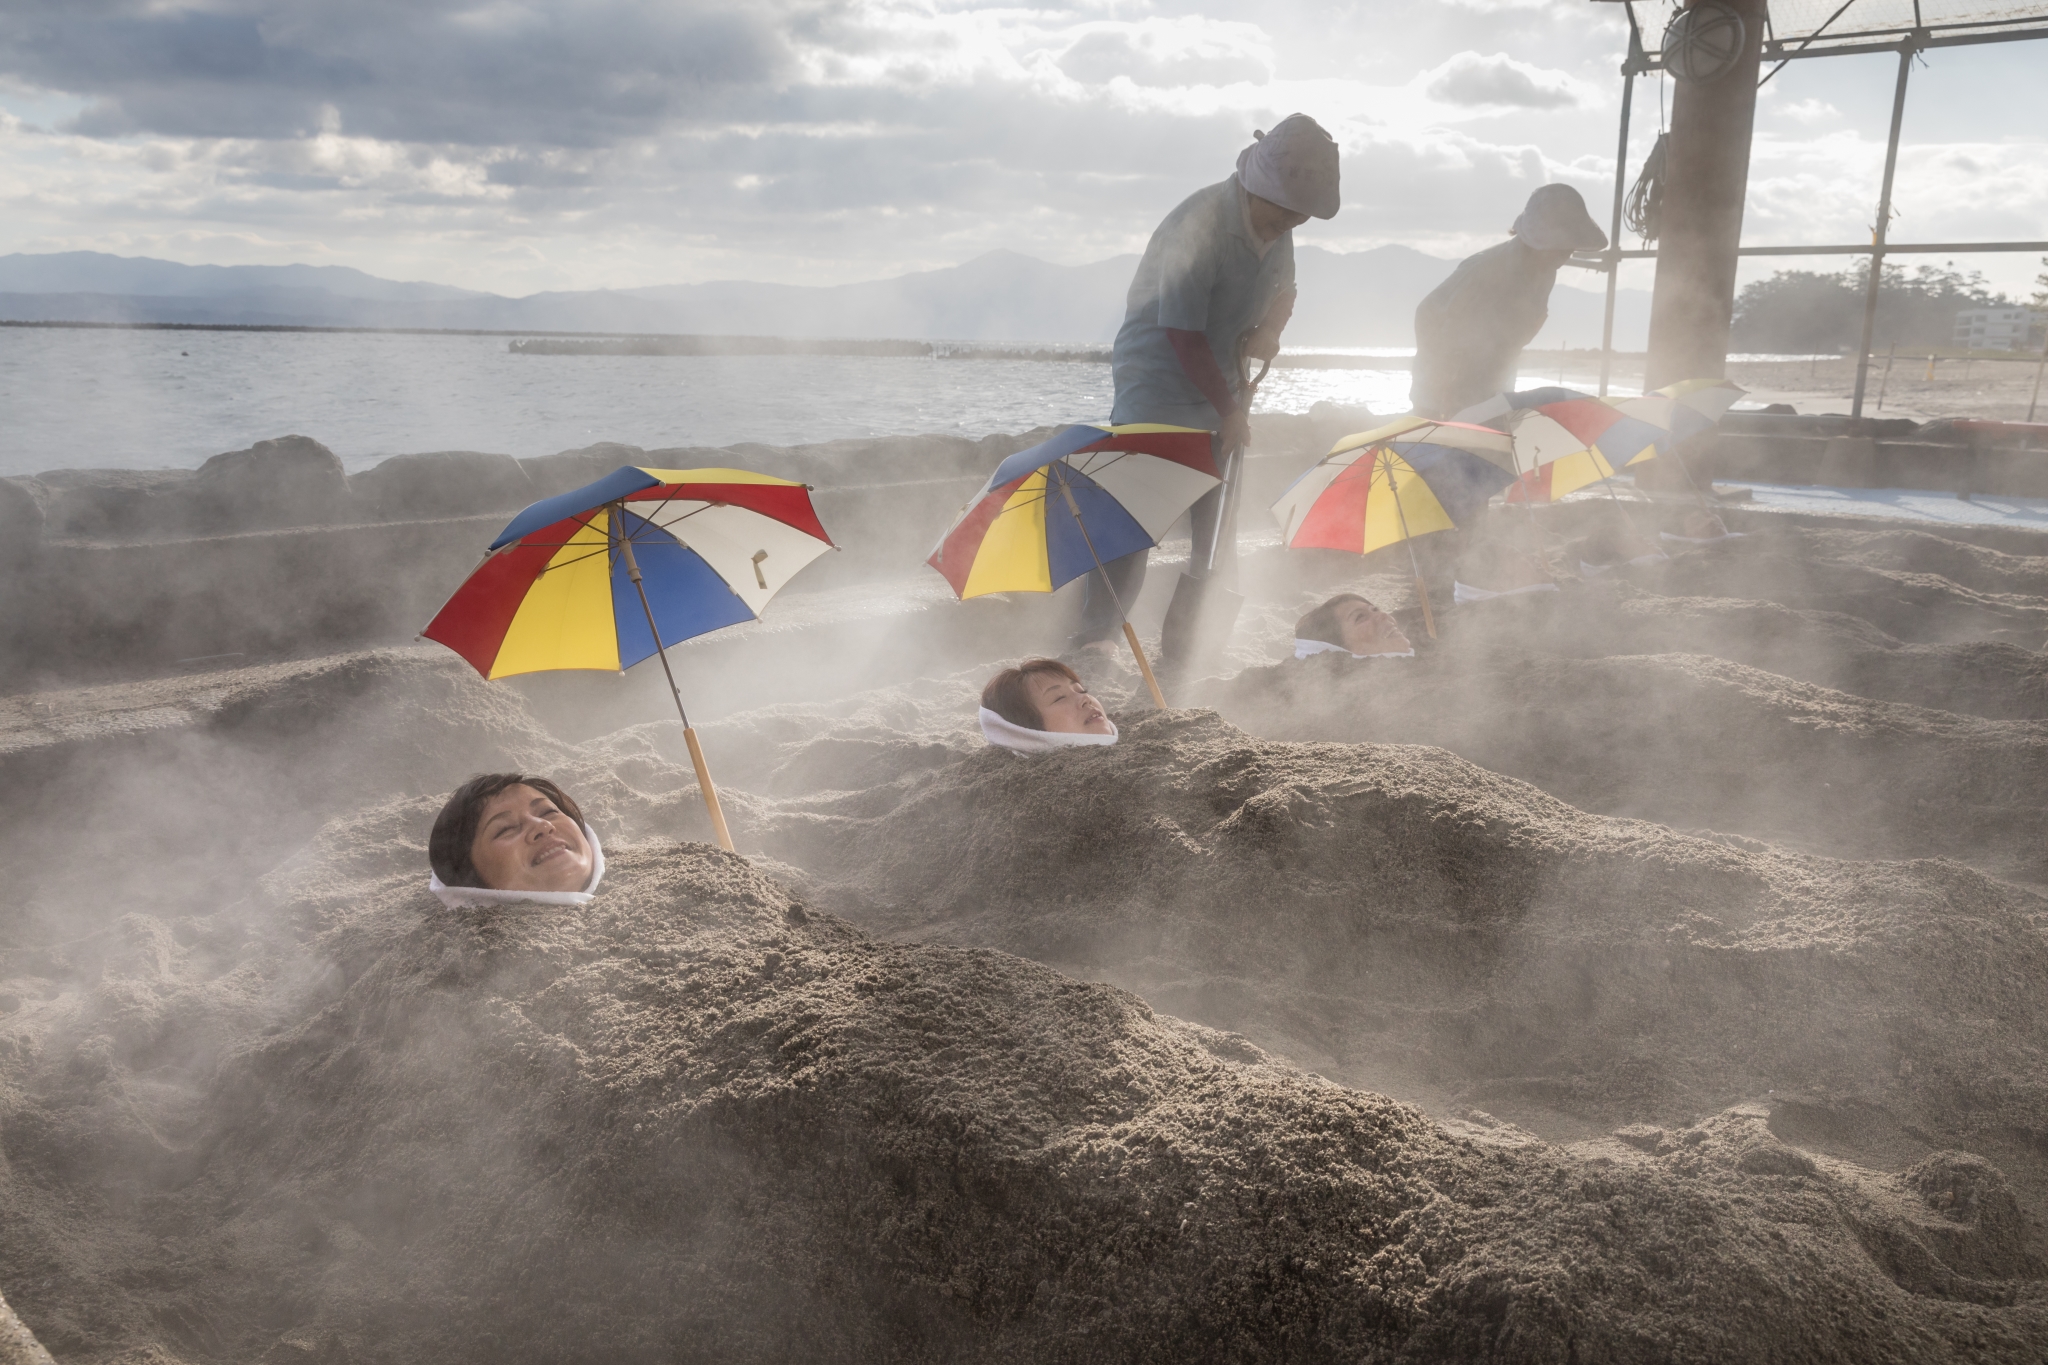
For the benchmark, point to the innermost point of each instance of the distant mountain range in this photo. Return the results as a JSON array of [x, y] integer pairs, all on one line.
[[1364, 298]]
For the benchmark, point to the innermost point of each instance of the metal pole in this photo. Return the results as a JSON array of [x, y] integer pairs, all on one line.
[[2040, 365], [1907, 49], [1628, 90]]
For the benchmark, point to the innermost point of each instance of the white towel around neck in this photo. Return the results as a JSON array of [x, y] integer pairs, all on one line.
[[1702, 540], [456, 897], [1304, 648], [1465, 592], [1003, 734], [1595, 570]]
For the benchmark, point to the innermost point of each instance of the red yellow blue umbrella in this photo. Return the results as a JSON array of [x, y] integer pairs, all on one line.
[[1565, 440], [612, 573], [1681, 411], [1684, 409], [1072, 503], [1409, 478]]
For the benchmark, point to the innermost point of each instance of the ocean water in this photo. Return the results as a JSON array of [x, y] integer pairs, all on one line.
[[72, 399]]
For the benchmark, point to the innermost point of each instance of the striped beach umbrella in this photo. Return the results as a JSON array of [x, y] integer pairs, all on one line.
[[1565, 440], [1409, 478], [612, 573], [1071, 504], [1684, 409]]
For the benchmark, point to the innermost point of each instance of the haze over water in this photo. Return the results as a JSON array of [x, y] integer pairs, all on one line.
[[152, 399]]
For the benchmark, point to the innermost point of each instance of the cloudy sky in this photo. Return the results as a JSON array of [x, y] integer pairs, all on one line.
[[523, 145]]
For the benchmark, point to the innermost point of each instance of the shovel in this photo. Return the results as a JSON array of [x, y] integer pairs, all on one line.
[[1203, 612]]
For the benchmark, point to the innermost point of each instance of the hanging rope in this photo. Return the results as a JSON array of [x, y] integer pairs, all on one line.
[[1646, 200]]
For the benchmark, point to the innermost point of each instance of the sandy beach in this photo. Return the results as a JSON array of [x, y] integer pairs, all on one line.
[[1647, 970]]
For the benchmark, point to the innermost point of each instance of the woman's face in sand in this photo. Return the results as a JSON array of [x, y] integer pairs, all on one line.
[[1368, 630], [525, 842], [1065, 707]]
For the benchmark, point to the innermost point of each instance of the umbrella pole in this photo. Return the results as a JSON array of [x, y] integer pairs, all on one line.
[[1130, 631], [704, 783], [1421, 588]]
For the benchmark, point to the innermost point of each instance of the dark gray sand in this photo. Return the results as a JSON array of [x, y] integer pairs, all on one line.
[[700, 1120], [1231, 1042]]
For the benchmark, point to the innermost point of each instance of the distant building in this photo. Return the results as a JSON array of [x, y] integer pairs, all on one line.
[[1998, 329]]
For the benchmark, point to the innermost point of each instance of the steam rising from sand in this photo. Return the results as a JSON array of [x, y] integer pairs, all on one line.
[[229, 1022]]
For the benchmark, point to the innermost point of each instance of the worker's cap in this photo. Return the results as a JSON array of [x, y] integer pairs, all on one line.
[[1294, 165], [1555, 219]]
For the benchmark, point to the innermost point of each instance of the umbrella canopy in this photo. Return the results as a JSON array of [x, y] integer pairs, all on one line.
[[556, 590], [1684, 409], [611, 573], [1406, 479], [1128, 485], [1565, 440]]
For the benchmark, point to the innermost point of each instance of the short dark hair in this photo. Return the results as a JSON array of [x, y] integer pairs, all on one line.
[[455, 827], [1009, 697], [1321, 624]]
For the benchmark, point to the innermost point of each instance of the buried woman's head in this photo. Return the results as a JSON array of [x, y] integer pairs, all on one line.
[[1352, 623], [1045, 694], [508, 832]]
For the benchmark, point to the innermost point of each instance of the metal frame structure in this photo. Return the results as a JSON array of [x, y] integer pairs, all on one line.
[[1908, 43]]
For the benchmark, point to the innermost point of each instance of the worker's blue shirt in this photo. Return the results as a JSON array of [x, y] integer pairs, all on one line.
[[1202, 272]]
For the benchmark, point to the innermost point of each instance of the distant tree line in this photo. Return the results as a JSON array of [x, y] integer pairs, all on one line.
[[1804, 312]]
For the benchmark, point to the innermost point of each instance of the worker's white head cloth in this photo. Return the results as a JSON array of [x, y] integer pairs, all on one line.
[[1555, 219], [1001, 732], [456, 897], [1294, 166]]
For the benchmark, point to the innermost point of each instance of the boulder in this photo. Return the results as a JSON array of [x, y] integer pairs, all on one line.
[[115, 504], [443, 483], [289, 481], [567, 469]]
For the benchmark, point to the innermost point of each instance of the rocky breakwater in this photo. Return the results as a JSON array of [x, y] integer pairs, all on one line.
[[275, 550]]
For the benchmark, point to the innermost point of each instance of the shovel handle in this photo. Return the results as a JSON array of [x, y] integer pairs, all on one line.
[[1428, 620], [1144, 666]]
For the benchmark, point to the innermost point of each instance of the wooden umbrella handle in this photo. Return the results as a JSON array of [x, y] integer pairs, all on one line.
[[1428, 621], [710, 791], [1144, 666]]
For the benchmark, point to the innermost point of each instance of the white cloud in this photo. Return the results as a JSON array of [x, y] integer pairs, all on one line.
[[1170, 52], [515, 145], [1807, 111], [1471, 78]]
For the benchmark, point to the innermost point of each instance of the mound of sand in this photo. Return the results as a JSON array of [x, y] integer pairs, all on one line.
[[1833, 649], [178, 791], [1913, 605], [699, 1120], [1752, 1102], [1397, 914], [1688, 740]]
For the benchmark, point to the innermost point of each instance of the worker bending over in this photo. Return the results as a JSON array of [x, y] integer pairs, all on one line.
[[1470, 330], [1216, 284]]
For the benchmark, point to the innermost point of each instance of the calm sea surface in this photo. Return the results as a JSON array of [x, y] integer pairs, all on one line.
[[89, 398]]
